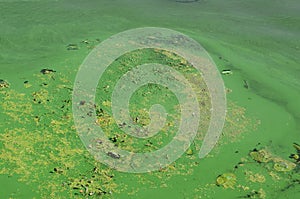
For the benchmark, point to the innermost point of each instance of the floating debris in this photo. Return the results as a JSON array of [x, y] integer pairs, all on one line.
[[246, 84], [187, 1], [86, 41], [26, 84], [227, 72], [227, 180], [113, 155], [98, 141], [82, 102], [261, 156], [72, 47], [122, 125], [3, 84], [57, 170], [114, 139], [47, 71]]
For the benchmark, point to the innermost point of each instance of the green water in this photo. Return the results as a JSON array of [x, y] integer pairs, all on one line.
[[258, 40]]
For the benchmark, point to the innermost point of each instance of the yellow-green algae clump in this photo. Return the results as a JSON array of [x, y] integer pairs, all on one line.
[[40, 145], [280, 164], [227, 180]]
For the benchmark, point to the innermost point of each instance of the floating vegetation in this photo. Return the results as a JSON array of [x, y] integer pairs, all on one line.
[[282, 165], [189, 151], [227, 180], [187, 1], [3, 84], [72, 47], [295, 157], [297, 147], [227, 72], [88, 43], [47, 71], [40, 144], [236, 124], [267, 169], [93, 185], [41, 96], [261, 194], [255, 177], [146, 96], [261, 156]]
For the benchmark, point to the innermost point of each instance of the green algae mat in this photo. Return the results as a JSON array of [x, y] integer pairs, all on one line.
[[255, 46]]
